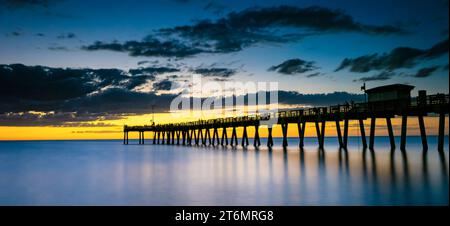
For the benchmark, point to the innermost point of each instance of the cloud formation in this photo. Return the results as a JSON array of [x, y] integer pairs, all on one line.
[[38, 88], [215, 72], [239, 30], [149, 47], [400, 57], [38, 95], [295, 66], [165, 84], [384, 75], [425, 72], [152, 70], [12, 4]]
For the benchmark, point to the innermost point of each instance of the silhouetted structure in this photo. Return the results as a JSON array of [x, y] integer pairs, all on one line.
[[384, 102]]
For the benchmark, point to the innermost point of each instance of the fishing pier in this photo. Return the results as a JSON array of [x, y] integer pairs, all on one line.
[[383, 103]]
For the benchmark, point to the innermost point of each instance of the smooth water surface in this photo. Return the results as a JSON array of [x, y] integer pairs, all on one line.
[[110, 173]]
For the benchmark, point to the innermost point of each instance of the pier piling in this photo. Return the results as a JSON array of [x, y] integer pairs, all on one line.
[[372, 132], [363, 133], [423, 134], [441, 131], [390, 132], [403, 132]]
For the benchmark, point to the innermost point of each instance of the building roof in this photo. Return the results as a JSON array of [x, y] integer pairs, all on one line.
[[390, 88]]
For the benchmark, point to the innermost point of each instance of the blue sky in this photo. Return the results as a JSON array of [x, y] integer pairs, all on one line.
[[38, 34]]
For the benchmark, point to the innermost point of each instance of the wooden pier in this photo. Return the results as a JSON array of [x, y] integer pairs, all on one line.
[[206, 132]]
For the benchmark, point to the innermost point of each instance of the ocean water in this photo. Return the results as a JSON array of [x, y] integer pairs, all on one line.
[[110, 173]]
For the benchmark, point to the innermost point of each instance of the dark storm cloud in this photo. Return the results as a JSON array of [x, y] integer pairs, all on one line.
[[425, 72], [165, 84], [148, 47], [152, 70], [12, 4], [143, 62], [37, 88], [314, 75], [294, 66], [121, 101], [384, 75], [44, 83], [400, 57], [59, 119], [239, 30], [215, 72]]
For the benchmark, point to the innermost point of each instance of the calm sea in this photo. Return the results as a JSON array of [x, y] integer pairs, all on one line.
[[109, 173]]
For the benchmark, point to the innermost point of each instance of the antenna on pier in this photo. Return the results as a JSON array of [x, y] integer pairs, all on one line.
[[363, 88], [153, 114]]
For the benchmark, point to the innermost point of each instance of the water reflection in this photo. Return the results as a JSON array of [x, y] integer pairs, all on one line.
[[105, 172]]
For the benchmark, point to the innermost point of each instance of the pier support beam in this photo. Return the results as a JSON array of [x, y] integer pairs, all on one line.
[[345, 141], [363, 133], [191, 136], [301, 133], [284, 128], [183, 137], [125, 137], [200, 136], [168, 137], [154, 137], [403, 132], [423, 134], [173, 137], [208, 135], [390, 132], [234, 140], [142, 137], [322, 134], [224, 137], [256, 140], [215, 137], [178, 137], [441, 131], [159, 136], [372, 132], [195, 136], [339, 134], [244, 142], [269, 138]]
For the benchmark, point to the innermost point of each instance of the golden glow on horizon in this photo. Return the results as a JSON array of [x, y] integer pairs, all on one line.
[[115, 131]]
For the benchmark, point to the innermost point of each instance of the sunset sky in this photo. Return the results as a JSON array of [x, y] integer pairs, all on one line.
[[81, 70]]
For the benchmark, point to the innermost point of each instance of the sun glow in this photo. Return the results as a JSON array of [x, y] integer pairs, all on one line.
[[112, 129]]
